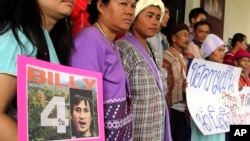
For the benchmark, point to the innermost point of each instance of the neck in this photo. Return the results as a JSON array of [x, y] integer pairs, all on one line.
[[48, 23], [178, 49], [87, 134], [105, 31], [84, 134], [197, 42], [141, 39], [243, 74], [234, 49]]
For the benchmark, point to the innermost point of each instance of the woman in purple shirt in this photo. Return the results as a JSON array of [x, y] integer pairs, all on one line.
[[96, 50]]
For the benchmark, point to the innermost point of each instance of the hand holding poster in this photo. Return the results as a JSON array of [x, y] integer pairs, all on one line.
[[208, 84], [58, 103]]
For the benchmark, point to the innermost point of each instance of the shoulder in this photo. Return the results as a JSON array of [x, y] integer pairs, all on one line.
[[229, 53], [128, 52], [9, 42], [126, 49], [167, 54], [155, 40], [192, 45], [156, 37], [9, 49], [8, 37], [90, 39], [125, 45], [170, 57], [87, 32]]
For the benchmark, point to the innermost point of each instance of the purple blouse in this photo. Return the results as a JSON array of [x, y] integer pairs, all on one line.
[[94, 52]]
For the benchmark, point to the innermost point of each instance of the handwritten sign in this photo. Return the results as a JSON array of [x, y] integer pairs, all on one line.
[[56, 102], [208, 84], [238, 107]]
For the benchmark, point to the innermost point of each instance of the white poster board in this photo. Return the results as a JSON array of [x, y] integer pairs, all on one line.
[[238, 107], [207, 83]]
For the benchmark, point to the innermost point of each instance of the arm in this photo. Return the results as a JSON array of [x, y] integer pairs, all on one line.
[[170, 83], [9, 49], [8, 126]]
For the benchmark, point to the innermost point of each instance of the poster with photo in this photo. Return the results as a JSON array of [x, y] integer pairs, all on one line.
[[56, 102]]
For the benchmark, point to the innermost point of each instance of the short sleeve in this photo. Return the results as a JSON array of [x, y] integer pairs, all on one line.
[[89, 53], [9, 49]]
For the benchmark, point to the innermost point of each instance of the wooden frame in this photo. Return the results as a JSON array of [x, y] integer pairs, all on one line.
[[215, 10]]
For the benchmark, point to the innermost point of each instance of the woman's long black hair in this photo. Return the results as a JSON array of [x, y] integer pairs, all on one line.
[[27, 16]]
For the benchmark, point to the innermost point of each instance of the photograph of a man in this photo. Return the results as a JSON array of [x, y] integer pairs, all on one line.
[[81, 109]]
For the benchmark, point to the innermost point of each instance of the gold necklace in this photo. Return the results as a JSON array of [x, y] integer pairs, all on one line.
[[100, 29]]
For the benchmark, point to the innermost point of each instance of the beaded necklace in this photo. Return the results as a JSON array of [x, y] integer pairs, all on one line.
[[100, 29]]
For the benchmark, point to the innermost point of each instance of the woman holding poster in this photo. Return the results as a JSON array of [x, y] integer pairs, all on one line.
[[212, 49], [96, 50], [34, 28]]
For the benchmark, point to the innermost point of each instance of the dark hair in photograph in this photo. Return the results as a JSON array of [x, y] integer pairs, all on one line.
[[76, 97]]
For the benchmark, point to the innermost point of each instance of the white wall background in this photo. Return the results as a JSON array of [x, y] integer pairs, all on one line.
[[190, 4], [237, 18]]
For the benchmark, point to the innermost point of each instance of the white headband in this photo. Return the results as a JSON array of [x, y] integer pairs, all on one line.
[[142, 4], [211, 43]]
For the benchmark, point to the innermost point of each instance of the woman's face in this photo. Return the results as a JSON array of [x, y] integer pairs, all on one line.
[[217, 55], [117, 15], [165, 18], [243, 44], [82, 118], [147, 22], [55, 10], [244, 63]]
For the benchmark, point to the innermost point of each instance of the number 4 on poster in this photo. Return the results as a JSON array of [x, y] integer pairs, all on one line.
[[60, 122]]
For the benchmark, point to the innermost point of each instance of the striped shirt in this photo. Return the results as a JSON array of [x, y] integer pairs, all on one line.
[[149, 108], [228, 58]]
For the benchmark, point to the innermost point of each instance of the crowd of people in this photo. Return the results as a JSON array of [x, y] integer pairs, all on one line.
[[144, 70]]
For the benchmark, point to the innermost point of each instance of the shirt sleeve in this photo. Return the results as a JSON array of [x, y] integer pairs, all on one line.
[[87, 54], [228, 58], [9, 49]]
